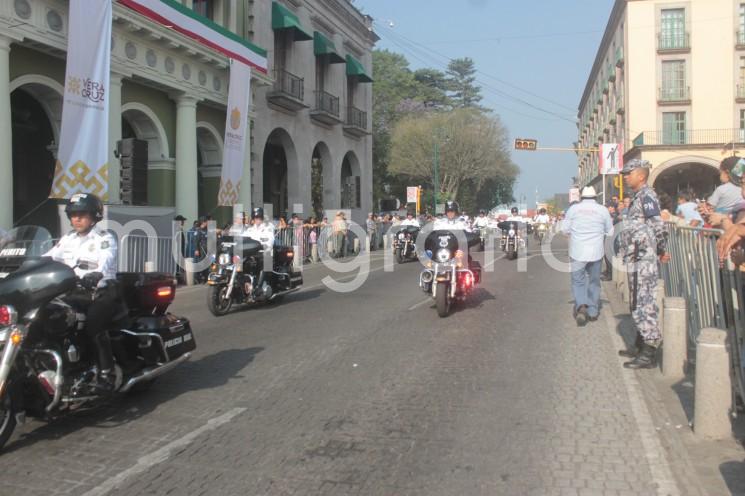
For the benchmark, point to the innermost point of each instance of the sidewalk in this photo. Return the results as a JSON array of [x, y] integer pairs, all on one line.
[[701, 466]]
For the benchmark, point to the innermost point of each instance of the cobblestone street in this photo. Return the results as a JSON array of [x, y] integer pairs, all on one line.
[[370, 393]]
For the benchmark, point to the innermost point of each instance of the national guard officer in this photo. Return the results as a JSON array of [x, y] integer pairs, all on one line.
[[643, 240], [92, 253]]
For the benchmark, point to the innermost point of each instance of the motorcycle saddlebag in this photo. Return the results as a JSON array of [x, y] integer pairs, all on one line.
[[144, 291], [174, 331]]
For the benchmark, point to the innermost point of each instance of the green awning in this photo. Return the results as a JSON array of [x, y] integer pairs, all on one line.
[[324, 47], [355, 69], [283, 19]]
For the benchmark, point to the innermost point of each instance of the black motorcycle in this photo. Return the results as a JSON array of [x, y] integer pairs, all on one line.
[[48, 366], [511, 240], [237, 275], [404, 243], [449, 274]]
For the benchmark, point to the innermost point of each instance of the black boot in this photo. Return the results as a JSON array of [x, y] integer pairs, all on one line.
[[634, 350], [105, 383], [646, 359]]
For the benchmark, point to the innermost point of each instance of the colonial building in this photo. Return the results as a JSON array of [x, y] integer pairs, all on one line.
[[310, 111], [668, 83]]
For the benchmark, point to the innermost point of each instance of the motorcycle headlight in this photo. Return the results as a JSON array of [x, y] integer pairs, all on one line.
[[224, 259], [512, 232], [443, 255]]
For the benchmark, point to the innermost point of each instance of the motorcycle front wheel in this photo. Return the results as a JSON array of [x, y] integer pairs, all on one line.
[[216, 302], [7, 420], [443, 299]]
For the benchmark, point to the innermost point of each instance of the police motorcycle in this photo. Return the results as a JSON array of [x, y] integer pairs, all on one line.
[[448, 276], [404, 243], [511, 240], [48, 365], [237, 275], [541, 230]]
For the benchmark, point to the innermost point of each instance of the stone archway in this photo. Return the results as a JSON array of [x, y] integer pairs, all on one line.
[[350, 186], [145, 125], [209, 165], [698, 174], [36, 117], [322, 183], [279, 165]]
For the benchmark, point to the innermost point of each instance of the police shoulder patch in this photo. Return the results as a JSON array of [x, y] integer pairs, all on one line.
[[105, 244], [651, 206]]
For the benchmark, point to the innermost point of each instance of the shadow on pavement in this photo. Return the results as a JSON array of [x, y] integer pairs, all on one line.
[[209, 372], [733, 474]]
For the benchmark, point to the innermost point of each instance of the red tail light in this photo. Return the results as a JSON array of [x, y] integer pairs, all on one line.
[[164, 292], [8, 315]]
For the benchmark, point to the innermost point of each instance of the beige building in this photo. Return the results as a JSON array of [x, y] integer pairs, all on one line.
[[310, 112], [668, 83]]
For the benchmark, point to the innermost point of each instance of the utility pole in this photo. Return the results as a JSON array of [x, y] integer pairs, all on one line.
[[437, 170]]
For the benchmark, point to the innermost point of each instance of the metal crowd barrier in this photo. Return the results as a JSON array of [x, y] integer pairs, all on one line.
[[135, 251], [734, 307], [693, 273]]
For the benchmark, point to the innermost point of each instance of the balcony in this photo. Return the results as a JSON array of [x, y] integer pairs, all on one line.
[[740, 92], [619, 57], [678, 43], [701, 138], [356, 124], [326, 109], [674, 95], [288, 91], [740, 40]]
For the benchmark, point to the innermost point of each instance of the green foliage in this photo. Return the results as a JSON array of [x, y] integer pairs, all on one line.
[[461, 82]]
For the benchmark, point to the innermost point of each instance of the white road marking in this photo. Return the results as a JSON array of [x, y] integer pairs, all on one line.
[[413, 307], [653, 450], [146, 462]]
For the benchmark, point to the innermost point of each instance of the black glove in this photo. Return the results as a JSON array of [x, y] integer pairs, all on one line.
[[90, 281]]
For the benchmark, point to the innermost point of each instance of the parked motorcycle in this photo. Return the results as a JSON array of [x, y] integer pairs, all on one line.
[[449, 275], [237, 275], [404, 243], [48, 366]]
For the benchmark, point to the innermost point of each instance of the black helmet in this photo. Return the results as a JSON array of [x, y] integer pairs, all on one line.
[[257, 213], [85, 202], [482, 212], [410, 212], [452, 206], [543, 211], [514, 210]]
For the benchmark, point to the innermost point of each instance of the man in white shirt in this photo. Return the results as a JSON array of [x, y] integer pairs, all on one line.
[[481, 221], [410, 220], [260, 231], [587, 223]]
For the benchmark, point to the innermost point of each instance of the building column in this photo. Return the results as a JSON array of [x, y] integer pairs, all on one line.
[[187, 186], [6, 138], [115, 134]]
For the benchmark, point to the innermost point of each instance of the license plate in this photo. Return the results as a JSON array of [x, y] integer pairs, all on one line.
[[179, 340]]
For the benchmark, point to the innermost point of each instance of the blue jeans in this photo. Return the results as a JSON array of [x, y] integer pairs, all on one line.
[[586, 285]]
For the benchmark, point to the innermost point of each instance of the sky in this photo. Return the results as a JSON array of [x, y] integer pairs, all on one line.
[[528, 53]]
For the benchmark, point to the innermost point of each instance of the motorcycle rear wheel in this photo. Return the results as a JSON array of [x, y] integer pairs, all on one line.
[[7, 420], [443, 299], [399, 255], [218, 305]]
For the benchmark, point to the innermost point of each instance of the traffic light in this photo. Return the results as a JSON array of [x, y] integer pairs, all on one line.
[[526, 144]]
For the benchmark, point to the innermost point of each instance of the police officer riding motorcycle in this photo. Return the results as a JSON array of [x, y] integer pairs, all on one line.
[[512, 240], [481, 223], [404, 239], [73, 330], [541, 225], [449, 274], [250, 268]]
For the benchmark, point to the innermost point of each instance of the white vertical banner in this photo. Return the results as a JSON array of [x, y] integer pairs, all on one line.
[[82, 160], [236, 133]]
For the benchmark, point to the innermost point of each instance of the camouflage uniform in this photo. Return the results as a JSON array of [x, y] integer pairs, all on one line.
[[644, 228]]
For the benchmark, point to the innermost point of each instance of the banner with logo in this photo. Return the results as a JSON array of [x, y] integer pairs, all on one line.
[[236, 131], [82, 160]]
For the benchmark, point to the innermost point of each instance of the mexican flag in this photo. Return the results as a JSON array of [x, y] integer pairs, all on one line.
[[180, 18]]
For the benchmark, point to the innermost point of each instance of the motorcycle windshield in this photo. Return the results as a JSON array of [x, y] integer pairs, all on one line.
[[25, 241]]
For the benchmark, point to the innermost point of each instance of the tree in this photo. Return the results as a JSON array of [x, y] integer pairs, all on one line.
[[472, 148], [433, 88], [461, 79]]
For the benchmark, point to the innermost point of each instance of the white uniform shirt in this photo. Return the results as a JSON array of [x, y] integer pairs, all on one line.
[[481, 221], [96, 250], [455, 224], [410, 222], [542, 219], [263, 233]]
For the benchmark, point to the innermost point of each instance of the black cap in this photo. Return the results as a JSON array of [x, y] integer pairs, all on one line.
[[257, 213], [179, 218]]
